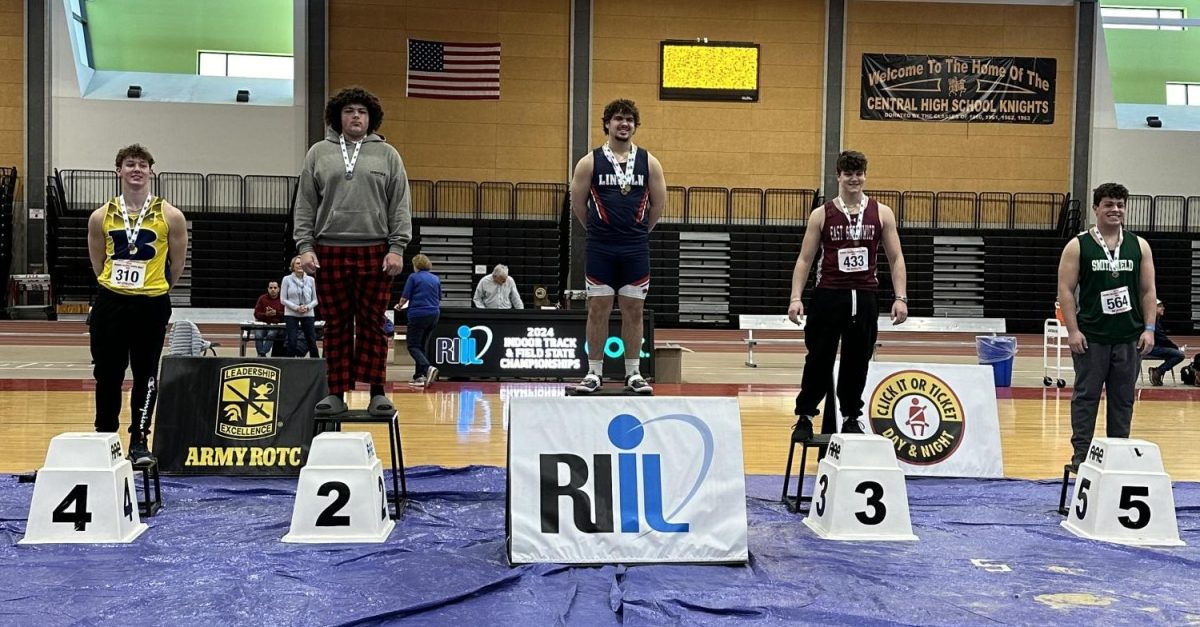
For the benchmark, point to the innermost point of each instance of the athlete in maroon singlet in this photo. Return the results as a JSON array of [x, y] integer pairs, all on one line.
[[844, 307]]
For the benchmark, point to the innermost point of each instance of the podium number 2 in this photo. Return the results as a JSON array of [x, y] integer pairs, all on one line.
[[382, 499], [329, 517], [78, 497], [874, 501], [1141, 507]]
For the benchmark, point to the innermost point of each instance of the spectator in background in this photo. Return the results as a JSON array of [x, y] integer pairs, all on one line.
[[269, 310], [299, 297], [1164, 349], [497, 291], [423, 297]]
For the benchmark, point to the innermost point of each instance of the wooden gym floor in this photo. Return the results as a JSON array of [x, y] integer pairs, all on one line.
[[46, 389]]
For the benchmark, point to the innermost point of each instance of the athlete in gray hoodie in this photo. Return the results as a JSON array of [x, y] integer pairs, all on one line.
[[352, 221]]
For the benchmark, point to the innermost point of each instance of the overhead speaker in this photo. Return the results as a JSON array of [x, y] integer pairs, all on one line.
[[1153, 122], [134, 91], [243, 95]]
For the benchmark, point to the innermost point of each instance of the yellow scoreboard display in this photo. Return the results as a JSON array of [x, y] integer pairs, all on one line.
[[702, 70]]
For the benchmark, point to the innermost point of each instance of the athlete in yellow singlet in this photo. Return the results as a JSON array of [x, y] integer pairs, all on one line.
[[138, 246]]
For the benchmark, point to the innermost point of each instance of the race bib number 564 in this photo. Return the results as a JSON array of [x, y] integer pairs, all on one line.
[[1115, 301]]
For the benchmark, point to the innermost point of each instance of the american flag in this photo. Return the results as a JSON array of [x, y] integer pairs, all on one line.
[[456, 71]]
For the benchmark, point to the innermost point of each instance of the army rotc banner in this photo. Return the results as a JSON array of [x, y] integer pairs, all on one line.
[[929, 88], [226, 416]]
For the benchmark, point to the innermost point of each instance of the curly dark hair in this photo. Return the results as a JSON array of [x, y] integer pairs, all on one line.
[[137, 151], [851, 161], [353, 95], [622, 106], [1116, 191]]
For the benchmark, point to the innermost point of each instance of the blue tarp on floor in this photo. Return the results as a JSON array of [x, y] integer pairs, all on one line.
[[213, 556]]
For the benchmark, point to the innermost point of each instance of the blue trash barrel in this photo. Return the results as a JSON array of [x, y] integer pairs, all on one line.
[[998, 351]]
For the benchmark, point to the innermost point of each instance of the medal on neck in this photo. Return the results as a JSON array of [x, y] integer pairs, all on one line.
[[1114, 256], [624, 177], [347, 159], [854, 231], [131, 231]]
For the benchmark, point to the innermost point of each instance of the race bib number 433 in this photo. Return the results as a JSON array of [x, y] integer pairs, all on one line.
[[1115, 301], [852, 259]]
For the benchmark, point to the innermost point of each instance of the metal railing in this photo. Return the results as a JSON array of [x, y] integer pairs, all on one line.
[[223, 194]]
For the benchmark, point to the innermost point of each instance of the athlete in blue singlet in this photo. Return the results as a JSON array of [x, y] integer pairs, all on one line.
[[618, 192]]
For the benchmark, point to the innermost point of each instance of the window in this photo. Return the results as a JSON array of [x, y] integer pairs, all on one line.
[[1183, 94], [79, 31], [1141, 13], [245, 65]]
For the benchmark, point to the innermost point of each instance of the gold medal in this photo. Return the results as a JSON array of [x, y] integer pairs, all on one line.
[[625, 189]]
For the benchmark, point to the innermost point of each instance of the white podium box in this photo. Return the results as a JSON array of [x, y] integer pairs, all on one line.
[[341, 496], [1122, 495], [84, 494], [859, 493]]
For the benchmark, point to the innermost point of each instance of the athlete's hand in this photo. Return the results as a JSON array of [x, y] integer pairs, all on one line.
[[899, 312], [393, 264], [1145, 343], [309, 262], [796, 311], [1078, 343]]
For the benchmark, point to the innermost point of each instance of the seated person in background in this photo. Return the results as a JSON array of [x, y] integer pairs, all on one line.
[[1164, 349], [268, 309], [299, 297], [497, 291]]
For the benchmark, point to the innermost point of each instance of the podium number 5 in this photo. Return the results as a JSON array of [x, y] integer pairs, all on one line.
[[874, 501], [1082, 497], [1141, 507]]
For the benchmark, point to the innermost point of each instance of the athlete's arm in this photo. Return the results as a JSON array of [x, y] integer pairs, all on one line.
[[658, 192], [1149, 296], [177, 240], [895, 255], [808, 250], [581, 184], [1068, 280], [96, 248]]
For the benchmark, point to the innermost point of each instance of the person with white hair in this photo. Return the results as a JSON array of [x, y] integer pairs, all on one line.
[[497, 291]]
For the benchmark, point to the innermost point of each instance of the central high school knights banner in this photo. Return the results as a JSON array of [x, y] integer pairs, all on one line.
[[928, 88]]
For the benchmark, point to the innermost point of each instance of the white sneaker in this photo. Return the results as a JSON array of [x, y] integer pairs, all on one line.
[[635, 383], [590, 384]]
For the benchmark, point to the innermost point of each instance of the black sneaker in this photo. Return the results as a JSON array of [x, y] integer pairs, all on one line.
[[851, 425], [802, 431], [140, 454], [1156, 378], [636, 384], [590, 384]]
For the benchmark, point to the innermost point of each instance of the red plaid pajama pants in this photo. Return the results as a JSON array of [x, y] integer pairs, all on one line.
[[352, 294]]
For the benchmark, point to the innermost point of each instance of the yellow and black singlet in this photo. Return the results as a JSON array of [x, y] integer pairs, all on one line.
[[136, 255]]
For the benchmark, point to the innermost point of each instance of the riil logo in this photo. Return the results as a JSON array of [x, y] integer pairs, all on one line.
[[464, 349], [625, 432]]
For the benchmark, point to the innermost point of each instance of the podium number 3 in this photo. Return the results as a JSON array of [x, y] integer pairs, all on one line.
[[329, 517], [78, 496], [874, 502]]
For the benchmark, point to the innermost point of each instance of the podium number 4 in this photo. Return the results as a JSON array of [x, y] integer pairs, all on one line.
[[874, 501], [1129, 501], [78, 496]]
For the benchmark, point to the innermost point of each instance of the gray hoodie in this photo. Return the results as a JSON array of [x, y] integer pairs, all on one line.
[[372, 208]]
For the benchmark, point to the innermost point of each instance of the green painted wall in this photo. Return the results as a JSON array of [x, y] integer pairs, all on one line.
[[166, 35], [1143, 61]]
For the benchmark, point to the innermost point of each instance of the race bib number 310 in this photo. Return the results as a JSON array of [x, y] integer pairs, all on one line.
[[128, 273]]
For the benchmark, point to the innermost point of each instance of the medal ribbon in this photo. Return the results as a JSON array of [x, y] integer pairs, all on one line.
[[346, 158], [625, 178], [131, 232], [1114, 256]]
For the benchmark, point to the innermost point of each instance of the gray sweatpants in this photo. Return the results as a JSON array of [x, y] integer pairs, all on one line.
[[1113, 368]]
